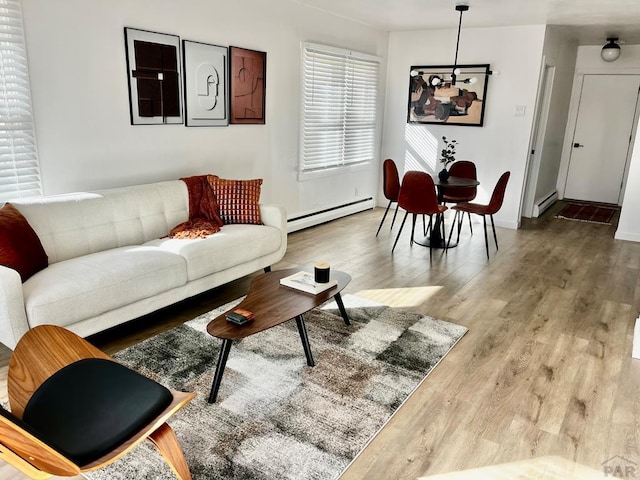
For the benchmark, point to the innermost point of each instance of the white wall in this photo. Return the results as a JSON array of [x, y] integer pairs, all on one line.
[[81, 105], [502, 144], [628, 225]]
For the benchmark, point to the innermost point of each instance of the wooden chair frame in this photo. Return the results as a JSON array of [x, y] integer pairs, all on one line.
[[40, 353]]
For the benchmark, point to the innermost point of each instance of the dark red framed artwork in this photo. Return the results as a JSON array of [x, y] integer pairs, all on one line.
[[248, 71]]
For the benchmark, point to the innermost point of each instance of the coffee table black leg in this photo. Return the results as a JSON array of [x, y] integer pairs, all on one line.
[[343, 311], [222, 362], [302, 330]]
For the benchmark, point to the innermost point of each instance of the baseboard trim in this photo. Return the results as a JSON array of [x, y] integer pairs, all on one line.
[[541, 205], [504, 224], [629, 236], [317, 217]]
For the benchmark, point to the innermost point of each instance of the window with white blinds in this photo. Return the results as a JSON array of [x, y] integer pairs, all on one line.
[[339, 98], [19, 170]]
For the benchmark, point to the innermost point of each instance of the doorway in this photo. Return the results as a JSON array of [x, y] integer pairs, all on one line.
[[538, 139], [601, 144]]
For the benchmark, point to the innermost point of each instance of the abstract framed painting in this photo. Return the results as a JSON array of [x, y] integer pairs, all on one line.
[[248, 71], [154, 76], [448, 95], [205, 84]]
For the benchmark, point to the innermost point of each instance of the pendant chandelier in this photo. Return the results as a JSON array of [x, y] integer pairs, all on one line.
[[435, 80], [460, 7]]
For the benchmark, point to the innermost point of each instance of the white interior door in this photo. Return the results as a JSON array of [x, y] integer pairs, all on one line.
[[602, 137]]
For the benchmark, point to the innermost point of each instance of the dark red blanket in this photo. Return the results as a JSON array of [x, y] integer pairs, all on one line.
[[204, 218]]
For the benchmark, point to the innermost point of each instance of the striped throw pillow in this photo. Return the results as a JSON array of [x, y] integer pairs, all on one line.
[[238, 200]]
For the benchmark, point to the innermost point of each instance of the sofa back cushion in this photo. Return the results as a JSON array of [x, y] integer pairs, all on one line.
[[76, 224]]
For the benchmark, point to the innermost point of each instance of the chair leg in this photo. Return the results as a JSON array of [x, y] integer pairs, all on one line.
[[486, 241], [460, 219], [394, 216], [453, 224], [430, 246], [495, 237], [399, 231], [165, 440], [413, 227], [470, 226], [424, 226], [383, 217]]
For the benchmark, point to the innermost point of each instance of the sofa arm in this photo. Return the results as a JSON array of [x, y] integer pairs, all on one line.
[[13, 317], [276, 216]]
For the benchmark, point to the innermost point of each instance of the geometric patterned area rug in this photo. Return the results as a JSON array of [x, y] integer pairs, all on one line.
[[588, 212], [275, 417]]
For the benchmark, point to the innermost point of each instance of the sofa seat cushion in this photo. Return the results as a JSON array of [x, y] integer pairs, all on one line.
[[84, 287], [231, 246]]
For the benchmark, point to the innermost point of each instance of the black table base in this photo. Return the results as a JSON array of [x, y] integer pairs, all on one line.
[[435, 240]]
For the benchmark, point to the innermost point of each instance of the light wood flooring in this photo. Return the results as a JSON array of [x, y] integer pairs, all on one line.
[[545, 371]]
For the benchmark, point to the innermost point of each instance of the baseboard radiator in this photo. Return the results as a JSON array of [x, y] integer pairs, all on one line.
[[541, 205], [327, 214]]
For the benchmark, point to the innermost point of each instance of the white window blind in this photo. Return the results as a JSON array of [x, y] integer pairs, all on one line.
[[19, 170], [339, 99]]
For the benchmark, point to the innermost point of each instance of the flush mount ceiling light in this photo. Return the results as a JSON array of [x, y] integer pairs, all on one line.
[[611, 51]]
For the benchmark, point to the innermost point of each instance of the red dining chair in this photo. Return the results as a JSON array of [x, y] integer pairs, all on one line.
[[463, 169], [497, 197], [418, 197], [391, 188]]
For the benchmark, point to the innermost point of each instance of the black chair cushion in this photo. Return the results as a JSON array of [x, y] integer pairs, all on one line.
[[89, 407]]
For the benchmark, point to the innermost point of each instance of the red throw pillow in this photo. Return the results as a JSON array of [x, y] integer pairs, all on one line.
[[238, 200], [20, 247]]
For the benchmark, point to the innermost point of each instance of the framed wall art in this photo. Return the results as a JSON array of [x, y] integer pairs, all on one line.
[[248, 70], [205, 84], [153, 73], [439, 95]]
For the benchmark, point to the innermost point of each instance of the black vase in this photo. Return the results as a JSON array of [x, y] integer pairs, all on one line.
[[443, 175]]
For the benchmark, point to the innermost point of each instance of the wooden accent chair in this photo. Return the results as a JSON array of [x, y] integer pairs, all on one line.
[[75, 409], [390, 187], [497, 197], [418, 197], [463, 169]]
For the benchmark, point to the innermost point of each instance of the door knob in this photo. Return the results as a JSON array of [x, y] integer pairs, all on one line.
[[577, 145]]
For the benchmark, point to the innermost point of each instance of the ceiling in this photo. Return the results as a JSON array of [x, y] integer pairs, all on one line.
[[589, 21]]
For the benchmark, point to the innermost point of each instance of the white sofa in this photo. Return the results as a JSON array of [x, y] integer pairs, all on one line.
[[109, 262]]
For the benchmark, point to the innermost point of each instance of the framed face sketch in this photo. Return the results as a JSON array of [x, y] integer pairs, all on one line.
[[248, 70], [442, 95], [205, 84], [154, 76]]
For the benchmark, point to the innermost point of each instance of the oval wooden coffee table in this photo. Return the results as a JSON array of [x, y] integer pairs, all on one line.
[[273, 304]]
